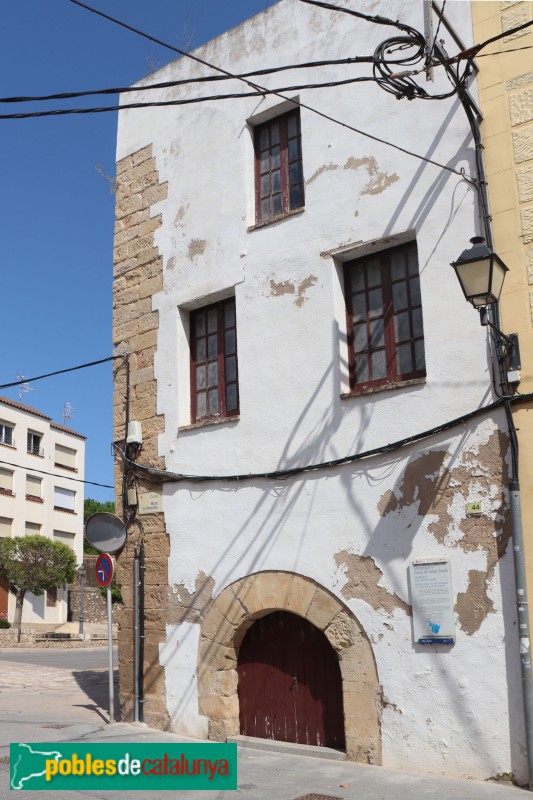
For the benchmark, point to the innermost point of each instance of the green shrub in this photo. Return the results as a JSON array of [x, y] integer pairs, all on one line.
[[4, 623]]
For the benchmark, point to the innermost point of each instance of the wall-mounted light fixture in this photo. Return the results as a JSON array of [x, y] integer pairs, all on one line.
[[481, 273]]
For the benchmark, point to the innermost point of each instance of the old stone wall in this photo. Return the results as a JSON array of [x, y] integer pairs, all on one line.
[[94, 606], [137, 277]]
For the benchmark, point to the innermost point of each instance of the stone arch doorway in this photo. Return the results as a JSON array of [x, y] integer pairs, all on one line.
[[289, 683], [235, 610]]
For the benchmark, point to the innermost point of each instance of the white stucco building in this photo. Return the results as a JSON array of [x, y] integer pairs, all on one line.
[[282, 284], [41, 492]]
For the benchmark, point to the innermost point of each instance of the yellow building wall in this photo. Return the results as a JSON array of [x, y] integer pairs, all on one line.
[[505, 82]]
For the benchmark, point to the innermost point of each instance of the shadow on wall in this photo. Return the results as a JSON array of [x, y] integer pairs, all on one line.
[[430, 497]]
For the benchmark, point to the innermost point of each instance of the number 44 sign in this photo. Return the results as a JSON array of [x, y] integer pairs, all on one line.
[[104, 569]]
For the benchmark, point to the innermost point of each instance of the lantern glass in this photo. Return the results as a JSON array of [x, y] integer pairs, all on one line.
[[480, 273]]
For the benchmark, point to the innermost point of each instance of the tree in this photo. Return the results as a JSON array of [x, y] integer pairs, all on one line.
[[91, 507], [34, 564]]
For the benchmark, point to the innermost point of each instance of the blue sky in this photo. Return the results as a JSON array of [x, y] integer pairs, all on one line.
[[56, 206]]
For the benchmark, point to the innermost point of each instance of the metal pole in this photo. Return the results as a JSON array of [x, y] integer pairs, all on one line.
[[141, 632], [136, 640], [523, 619], [81, 574], [110, 648]]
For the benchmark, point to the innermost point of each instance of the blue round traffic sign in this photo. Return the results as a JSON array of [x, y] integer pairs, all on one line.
[[104, 569]]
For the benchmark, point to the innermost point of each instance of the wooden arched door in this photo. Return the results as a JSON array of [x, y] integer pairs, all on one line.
[[290, 686]]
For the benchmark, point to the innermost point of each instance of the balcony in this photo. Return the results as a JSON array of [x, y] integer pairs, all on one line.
[[7, 440], [35, 450]]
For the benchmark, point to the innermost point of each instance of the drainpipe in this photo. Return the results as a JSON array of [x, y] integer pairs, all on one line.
[[136, 639], [141, 632], [517, 532]]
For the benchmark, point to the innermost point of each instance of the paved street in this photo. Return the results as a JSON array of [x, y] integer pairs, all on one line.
[[48, 702], [68, 658]]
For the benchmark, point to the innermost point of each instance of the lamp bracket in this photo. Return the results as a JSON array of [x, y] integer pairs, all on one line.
[[508, 341]]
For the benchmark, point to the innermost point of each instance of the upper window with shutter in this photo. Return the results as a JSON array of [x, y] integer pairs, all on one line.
[[34, 488], [6, 482], [65, 458], [64, 500]]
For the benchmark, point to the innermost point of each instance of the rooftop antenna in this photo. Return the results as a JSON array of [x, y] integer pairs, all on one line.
[[67, 412], [24, 387]]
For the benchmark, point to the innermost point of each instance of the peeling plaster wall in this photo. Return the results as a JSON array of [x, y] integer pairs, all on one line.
[[352, 529]]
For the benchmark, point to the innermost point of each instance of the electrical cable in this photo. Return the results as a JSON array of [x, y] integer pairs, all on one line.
[[378, 20], [60, 372], [56, 475], [187, 101], [257, 87], [189, 81], [441, 16], [173, 477]]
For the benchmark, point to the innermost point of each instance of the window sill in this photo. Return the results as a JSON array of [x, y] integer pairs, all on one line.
[[6, 493], [37, 455], [293, 213], [387, 387], [34, 499], [64, 510], [64, 466], [205, 423], [9, 446]]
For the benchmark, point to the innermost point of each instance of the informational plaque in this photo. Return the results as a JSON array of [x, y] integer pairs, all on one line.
[[432, 598], [150, 502]]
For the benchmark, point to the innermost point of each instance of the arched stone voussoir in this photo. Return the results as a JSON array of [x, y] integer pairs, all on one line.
[[233, 612]]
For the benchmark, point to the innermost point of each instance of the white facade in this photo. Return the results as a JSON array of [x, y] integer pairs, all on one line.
[[41, 492], [352, 528]]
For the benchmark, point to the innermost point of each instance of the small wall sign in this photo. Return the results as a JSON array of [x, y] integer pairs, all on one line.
[[150, 502], [432, 598], [474, 509]]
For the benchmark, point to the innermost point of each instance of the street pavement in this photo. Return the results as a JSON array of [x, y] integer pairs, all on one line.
[[43, 703]]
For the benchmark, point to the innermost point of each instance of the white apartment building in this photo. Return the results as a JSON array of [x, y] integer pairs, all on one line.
[[41, 492]]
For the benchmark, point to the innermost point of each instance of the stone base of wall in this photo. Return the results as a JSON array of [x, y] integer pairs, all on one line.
[[8, 638]]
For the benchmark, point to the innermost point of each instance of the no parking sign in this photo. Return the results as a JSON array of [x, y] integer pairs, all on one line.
[[104, 569]]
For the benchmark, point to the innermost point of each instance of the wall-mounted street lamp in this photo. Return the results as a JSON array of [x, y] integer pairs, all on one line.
[[81, 576], [481, 274]]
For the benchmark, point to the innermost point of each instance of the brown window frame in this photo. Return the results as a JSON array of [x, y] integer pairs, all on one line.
[[386, 340], [292, 195], [226, 349]]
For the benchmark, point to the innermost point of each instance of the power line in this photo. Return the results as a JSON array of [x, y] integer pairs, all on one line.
[[175, 477], [503, 52], [378, 20], [261, 89], [188, 81], [60, 372], [55, 475], [185, 101]]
